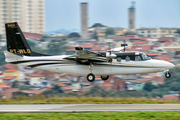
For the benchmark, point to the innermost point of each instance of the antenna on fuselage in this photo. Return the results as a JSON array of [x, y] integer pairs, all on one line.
[[110, 48], [124, 45]]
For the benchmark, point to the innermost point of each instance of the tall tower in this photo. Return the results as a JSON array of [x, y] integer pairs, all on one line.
[[84, 20], [132, 16]]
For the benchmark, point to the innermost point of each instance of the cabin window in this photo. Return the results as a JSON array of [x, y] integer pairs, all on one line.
[[127, 58], [132, 57], [138, 58], [118, 59]]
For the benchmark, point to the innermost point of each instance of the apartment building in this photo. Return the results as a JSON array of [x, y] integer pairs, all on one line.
[[155, 32], [30, 15]]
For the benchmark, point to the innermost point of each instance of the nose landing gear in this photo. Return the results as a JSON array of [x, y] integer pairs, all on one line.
[[167, 75]]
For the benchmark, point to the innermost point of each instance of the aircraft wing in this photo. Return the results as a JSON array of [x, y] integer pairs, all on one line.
[[118, 48], [86, 56]]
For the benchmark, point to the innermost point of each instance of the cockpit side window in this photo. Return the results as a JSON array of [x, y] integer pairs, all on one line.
[[145, 57], [138, 58]]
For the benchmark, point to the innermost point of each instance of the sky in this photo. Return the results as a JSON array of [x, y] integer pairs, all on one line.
[[113, 13]]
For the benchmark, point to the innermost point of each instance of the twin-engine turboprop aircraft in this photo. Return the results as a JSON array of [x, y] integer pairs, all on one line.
[[84, 62]]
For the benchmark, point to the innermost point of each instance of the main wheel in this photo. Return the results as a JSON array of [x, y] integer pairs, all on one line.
[[90, 77], [104, 77], [167, 75]]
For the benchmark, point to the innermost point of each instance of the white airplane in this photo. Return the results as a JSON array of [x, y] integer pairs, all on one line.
[[84, 62]]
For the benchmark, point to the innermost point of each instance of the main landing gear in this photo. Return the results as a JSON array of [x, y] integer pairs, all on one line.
[[90, 77], [167, 75], [104, 77]]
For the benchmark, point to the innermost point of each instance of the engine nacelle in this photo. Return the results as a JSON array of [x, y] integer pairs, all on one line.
[[108, 55]]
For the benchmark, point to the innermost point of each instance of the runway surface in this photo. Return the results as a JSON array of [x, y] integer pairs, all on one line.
[[88, 107]]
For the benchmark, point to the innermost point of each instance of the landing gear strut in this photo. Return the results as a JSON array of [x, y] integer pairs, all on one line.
[[104, 77], [90, 76], [167, 75]]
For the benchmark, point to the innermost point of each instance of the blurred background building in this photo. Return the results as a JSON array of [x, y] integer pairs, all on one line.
[[84, 20], [30, 15], [132, 16]]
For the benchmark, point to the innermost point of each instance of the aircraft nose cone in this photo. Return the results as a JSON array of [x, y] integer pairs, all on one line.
[[170, 65]]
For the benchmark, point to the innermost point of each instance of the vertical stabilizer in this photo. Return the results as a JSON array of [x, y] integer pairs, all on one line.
[[16, 42]]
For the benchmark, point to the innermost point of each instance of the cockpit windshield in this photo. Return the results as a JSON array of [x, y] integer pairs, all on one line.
[[145, 57]]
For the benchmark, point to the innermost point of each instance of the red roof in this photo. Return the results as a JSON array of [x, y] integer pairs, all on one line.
[[63, 78], [72, 75], [71, 49], [145, 38], [67, 88], [32, 91], [53, 79], [98, 48], [94, 42], [130, 36], [171, 97], [140, 42], [120, 38], [107, 48], [144, 48], [34, 75], [60, 84], [175, 50], [135, 39], [4, 85], [26, 67], [32, 35], [11, 70], [166, 38], [169, 43], [164, 57], [87, 45], [9, 92], [10, 66], [158, 79], [48, 73], [142, 80], [178, 55], [151, 54], [156, 45], [48, 87], [8, 77], [97, 78]]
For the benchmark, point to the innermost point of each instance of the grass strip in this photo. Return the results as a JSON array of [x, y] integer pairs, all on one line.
[[93, 116], [82, 100]]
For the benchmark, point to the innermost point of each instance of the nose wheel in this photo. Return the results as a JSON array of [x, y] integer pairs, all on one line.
[[104, 77], [167, 75]]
